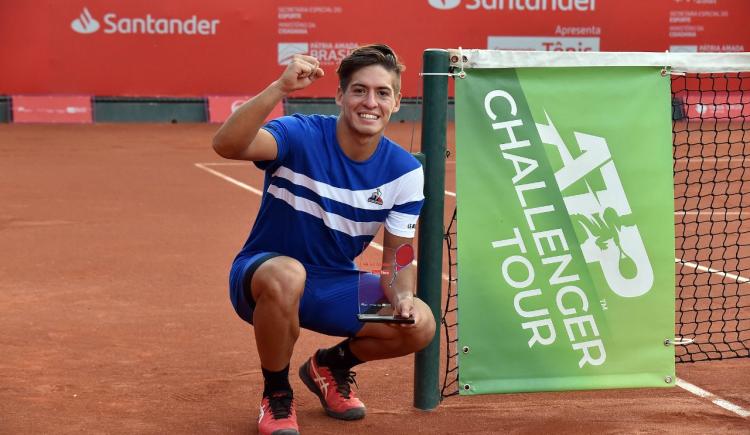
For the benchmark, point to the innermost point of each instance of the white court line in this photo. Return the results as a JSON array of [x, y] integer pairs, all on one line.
[[710, 213], [224, 164], [229, 179], [241, 184], [718, 401], [738, 278], [680, 383], [692, 388], [694, 265], [677, 213], [679, 160], [249, 188], [711, 159]]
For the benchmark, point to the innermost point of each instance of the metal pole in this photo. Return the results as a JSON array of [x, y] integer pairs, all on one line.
[[431, 230]]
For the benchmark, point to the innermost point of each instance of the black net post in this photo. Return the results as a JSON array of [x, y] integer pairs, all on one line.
[[429, 275]]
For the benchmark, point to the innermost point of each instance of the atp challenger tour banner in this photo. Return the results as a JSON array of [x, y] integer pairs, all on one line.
[[566, 232]]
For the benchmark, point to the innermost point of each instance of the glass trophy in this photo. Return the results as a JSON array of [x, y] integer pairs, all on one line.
[[375, 276]]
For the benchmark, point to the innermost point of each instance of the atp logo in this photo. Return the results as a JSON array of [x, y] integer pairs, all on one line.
[[602, 216], [444, 4], [85, 23]]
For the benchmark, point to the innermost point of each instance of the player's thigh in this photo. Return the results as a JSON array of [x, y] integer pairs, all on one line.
[[330, 303]]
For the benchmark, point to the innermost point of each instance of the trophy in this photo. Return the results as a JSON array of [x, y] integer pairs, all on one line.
[[373, 303]]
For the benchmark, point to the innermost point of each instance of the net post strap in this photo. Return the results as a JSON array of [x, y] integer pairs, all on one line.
[[459, 61], [678, 341]]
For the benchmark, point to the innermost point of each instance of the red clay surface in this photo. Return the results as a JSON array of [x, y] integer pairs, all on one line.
[[115, 316]]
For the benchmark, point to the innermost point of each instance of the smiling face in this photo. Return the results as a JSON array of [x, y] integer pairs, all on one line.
[[368, 101]]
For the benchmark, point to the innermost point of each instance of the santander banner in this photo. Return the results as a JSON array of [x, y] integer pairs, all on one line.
[[236, 47]]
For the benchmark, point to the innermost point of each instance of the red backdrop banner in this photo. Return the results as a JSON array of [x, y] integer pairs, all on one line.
[[720, 105], [52, 109], [236, 47], [221, 106]]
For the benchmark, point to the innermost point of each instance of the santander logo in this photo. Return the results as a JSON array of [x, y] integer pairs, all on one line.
[[444, 4], [112, 23], [85, 23], [522, 5]]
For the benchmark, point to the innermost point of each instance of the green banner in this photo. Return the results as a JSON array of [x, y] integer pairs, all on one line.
[[566, 231]]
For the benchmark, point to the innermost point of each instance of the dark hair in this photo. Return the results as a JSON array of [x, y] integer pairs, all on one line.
[[374, 54]]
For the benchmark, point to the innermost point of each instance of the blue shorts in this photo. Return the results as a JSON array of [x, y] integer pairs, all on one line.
[[329, 304]]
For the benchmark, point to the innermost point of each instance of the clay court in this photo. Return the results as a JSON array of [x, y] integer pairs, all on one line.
[[116, 245]]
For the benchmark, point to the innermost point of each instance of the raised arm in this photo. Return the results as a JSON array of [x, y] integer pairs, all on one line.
[[241, 136]]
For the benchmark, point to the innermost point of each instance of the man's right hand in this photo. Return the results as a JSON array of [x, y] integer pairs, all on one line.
[[301, 72], [241, 137]]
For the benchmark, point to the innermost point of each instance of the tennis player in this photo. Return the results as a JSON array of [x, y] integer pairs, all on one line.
[[331, 182]]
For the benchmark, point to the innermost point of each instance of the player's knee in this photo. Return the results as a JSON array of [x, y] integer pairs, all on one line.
[[421, 335], [280, 281], [425, 331]]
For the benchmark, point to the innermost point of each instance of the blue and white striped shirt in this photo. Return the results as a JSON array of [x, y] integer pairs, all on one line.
[[323, 208]]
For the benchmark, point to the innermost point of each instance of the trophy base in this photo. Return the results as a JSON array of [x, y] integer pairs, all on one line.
[[383, 318]]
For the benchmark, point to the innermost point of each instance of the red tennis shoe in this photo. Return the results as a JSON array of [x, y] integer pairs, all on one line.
[[277, 415], [334, 389]]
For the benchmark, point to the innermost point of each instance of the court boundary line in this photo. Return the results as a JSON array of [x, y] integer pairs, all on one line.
[[229, 179], [205, 165], [692, 159], [251, 189], [676, 213], [716, 400], [708, 213], [680, 383], [738, 278]]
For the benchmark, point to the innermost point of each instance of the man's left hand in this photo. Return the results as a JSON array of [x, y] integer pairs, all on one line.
[[403, 306]]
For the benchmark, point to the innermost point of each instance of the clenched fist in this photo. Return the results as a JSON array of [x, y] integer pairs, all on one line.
[[301, 72]]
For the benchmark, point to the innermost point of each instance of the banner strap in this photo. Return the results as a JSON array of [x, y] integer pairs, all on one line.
[[678, 341], [667, 70], [459, 74]]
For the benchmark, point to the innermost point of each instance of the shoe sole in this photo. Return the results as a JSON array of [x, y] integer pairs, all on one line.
[[351, 414]]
